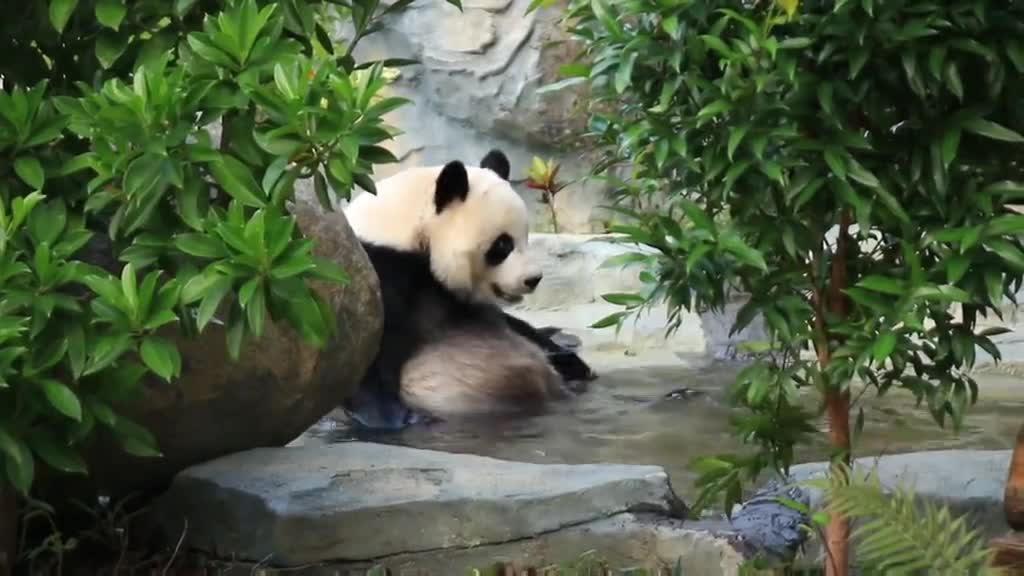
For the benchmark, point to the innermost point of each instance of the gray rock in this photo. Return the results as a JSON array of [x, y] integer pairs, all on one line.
[[360, 501], [968, 481], [622, 542], [765, 525]]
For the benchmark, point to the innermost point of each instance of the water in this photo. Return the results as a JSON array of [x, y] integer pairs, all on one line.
[[627, 418]]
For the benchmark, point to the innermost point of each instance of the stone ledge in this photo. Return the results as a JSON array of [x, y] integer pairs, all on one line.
[[360, 501]]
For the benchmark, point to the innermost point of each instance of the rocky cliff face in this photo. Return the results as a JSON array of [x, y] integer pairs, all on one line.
[[475, 88]]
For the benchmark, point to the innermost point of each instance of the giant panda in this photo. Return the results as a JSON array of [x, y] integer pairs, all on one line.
[[448, 244]]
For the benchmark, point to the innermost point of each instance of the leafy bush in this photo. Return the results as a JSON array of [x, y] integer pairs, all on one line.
[[121, 215], [848, 165]]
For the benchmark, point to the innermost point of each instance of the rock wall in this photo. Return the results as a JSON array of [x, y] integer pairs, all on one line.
[[475, 89]]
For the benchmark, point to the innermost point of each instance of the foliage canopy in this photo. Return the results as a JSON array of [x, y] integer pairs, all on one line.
[[121, 215], [849, 165]]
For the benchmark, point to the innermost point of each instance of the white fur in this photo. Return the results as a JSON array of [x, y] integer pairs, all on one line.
[[401, 215]]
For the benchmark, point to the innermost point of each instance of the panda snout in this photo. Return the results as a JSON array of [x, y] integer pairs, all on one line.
[[533, 281]]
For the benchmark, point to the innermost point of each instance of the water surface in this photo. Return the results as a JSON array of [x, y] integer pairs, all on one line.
[[629, 416]]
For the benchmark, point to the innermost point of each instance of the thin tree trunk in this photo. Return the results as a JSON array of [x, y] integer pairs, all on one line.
[[1013, 498], [837, 402], [837, 533], [8, 530]]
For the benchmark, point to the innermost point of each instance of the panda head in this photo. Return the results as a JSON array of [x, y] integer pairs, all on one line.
[[477, 236]]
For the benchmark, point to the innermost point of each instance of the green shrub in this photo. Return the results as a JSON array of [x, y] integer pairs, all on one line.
[[121, 215], [850, 165]]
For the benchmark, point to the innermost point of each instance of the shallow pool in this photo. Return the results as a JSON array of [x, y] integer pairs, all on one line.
[[630, 416]]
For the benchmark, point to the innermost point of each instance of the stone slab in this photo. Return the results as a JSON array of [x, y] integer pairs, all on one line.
[[968, 482], [359, 501], [624, 541]]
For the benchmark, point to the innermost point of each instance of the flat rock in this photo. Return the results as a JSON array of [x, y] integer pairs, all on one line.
[[968, 482], [622, 542], [359, 501]]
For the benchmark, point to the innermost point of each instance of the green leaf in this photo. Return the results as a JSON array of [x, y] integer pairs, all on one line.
[[716, 44], [892, 204], [953, 81], [883, 347], [883, 284], [76, 349], [625, 72], [835, 163], [256, 309], [956, 267], [991, 130], [200, 245], [106, 351], [62, 398], [670, 25], [713, 109], [57, 456], [212, 299], [129, 288], [950, 144], [862, 174], [238, 181], [60, 12], [327, 270], [161, 356], [796, 43], [18, 461], [610, 320], [109, 47], [1004, 225], [743, 251], [110, 13], [1007, 251], [11, 447], [135, 439], [560, 85], [736, 135], [623, 299], [30, 171]]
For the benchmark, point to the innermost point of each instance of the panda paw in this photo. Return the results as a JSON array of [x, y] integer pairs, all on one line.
[[560, 337], [571, 367]]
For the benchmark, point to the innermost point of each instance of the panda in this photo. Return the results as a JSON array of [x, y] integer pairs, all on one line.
[[448, 244]]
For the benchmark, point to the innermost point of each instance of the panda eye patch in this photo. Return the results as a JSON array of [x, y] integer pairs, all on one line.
[[499, 250]]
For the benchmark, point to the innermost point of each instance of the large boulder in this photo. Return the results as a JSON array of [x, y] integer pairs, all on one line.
[[280, 386]]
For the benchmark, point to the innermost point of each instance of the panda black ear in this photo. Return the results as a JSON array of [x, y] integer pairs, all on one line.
[[452, 185], [496, 161]]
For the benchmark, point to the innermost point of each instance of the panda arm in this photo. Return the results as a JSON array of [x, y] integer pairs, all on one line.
[[568, 364]]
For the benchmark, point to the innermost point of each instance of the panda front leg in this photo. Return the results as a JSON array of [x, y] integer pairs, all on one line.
[[567, 363]]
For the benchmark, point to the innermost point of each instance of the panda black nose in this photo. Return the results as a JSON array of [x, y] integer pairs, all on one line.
[[532, 281]]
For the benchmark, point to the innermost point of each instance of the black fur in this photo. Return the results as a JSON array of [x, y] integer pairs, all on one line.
[[452, 184], [418, 309], [496, 161]]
